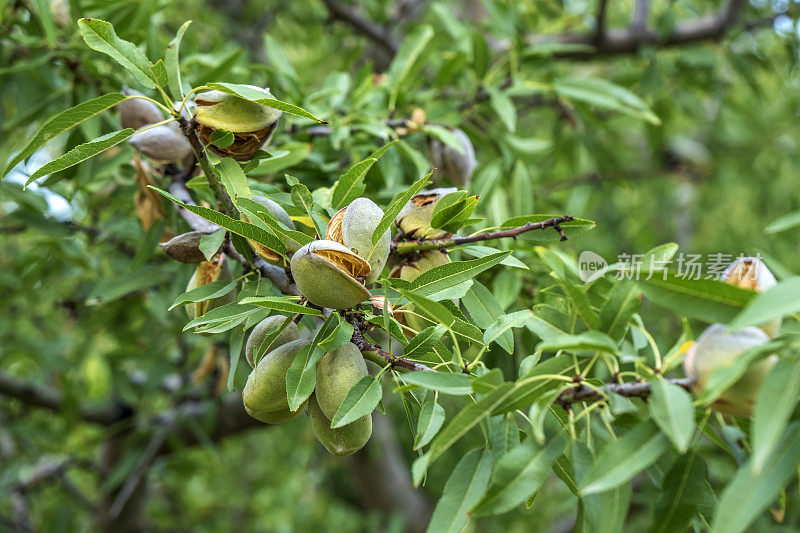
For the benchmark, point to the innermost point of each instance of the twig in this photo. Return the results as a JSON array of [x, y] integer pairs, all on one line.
[[371, 29], [380, 356], [618, 41], [639, 389], [600, 30], [405, 247], [37, 396]]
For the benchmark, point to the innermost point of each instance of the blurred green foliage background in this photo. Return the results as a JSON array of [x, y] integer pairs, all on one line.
[[85, 291]]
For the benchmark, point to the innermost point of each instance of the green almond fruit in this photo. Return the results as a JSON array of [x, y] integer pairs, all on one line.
[[207, 272], [263, 329], [415, 217], [345, 440], [137, 112], [275, 417], [164, 143], [328, 274], [718, 347], [456, 164], [337, 372], [252, 124], [265, 390], [220, 110], [353, 226]]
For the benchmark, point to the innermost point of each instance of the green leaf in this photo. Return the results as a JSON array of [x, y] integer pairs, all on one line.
[[464, 488], [279, 303], [681, 494], [431, 418], [777, 301], [776, 401], [452, 211], [159, 72], [233, 178], [424, 341], [260, 214], [723, 377], [604, 94], [536, 383], [350, 184], [361, 400], [235, 344], [81, 153], [245, 229], [64, 121], [221, 138], [623, 458], [749, 494], [466, 419], [792, 220], [397, 205], [577, 295], [705, 299], [454, 273], [588, 341], [412, 47], [172, 62], [444, 382], [100, 35], [209, 244], [483, 308], [518, 474], [671, 408], [209, 291], [504, 107], [482, 251], [504, 324], [262, 97], [623, 302]]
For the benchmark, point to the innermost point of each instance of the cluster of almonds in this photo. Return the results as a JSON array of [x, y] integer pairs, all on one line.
[[718, 347], [265, 397], [251, 124]]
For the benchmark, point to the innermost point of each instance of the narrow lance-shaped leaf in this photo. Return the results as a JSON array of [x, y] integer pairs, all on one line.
[[208, 291], [776, 401], [360, 400], [431, 418], [464, 488], [81, 153], [239, 227], [100, 35], [624, 458], [279, 303], [451, 274], [64, 121], [397, 205], [749, 494], [258, 96], [672, 410], [519, 473], [172, 63]]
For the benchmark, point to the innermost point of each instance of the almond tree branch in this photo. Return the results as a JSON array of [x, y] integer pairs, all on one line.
[[38, 396], [638, 389], [618, 41], [378, 355], [404, 247], [350, 15]]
